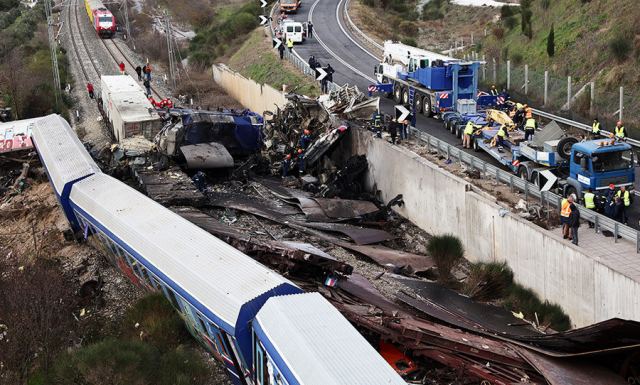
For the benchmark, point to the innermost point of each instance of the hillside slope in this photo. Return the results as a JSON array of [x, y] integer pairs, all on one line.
[[595, 40]]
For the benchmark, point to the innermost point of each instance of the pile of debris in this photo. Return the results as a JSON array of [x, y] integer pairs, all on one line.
[[348, 102]]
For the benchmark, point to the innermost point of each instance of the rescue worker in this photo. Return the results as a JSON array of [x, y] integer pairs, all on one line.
[[312, 62], [290, 45], [330, 72], [393, 130], [620, 132], [305, 139], [595, 128], [590, 203], [518, 117], [574, 222], [147, 86], [468, 133], [617, 210], [565, 211], [309, 29], [281, 50], [493, 91], [624, 195], [90, 90], [301, 161], [501, 135], [610, 201], [530, 129], [376, 123], [528, 112], [286, 165], [139, 72], [121, 66]]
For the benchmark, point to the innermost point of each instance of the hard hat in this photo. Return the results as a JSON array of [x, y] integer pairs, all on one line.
[[299, 151], [612, 186], [288, 156]]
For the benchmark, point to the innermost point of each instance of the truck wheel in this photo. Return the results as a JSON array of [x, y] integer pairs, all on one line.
[[405, 96], [458, 131], [523, 173], [418, 104], [426, 106], [452, 126], [397, 93], [564, 147], [476, 148]]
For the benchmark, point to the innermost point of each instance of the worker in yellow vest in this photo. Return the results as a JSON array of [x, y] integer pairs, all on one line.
[[595, 128], [565, 211], [620, 132], [468, 133], [290, 45], [500, 137], [529, 129], [590, 202], [623, 194]]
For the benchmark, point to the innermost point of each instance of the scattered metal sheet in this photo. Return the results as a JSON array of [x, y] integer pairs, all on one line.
[[207, 156], [360, 235], [385, 256], [570, 371], [312, 210], [323, 144], [261, 207], [345, 208], [448, 306], [171, 187]]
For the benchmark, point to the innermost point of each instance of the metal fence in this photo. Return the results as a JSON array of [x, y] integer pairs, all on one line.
[[530, 190]]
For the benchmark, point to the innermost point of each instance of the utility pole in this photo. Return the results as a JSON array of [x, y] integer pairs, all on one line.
[[53, 50], [172, 60], [125, 12]]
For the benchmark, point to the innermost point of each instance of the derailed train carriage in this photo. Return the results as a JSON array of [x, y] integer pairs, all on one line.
[[102, 20], [260, 325]]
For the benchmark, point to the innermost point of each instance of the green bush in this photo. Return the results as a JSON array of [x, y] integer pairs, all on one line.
[[447, 251], [369, 3], [517, 58], [520, 299], [433, 10], [551, 43], [506, 11], [620, 46], [510, 22], [408, 28], [118, 362], [488, 281], [409, 41], [157, 320]]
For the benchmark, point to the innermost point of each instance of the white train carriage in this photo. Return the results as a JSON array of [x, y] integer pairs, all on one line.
[[304, 340], [64, 157], [216, 288]]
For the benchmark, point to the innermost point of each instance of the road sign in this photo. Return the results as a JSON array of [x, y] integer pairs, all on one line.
[[263, 3], [322, 73], [276, 43], [401, 113], [551, 180], [263, 20]]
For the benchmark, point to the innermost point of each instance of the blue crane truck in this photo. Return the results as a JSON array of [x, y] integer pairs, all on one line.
[[428, 82], [553, 159]]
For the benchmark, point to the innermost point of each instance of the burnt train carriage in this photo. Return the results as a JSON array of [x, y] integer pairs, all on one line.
[[218, 290], [102, 20]]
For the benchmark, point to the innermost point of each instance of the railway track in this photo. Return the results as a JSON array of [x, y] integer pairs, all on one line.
[[76, 34]]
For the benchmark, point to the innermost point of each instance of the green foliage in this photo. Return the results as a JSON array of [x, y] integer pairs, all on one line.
[[447, 251], [620, 46], [409, 41], [510, 22], [545, 4], [120, 362], [408, 28], [493, 281], [369, 3], [229, 26], [498, 33], [507, 11], [7, 18], [526, 13], [551, 44], [516, 58], [399, 6], [158, 321], [7, 5], [433, 10]]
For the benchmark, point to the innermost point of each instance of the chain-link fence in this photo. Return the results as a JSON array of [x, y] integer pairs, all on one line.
[[550, 92]]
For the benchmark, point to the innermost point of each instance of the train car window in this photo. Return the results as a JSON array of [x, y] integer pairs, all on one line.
[[202, 325], [173, 299]]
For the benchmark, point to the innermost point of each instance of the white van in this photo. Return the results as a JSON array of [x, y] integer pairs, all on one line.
[[293, 30]]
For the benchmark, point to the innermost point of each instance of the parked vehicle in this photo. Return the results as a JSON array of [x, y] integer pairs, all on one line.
[[430, 82], [290, 5], [102, 20], [293, 30]]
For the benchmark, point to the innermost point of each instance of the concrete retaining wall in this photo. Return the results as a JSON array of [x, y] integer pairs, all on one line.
[[440, 202], [254, 96]]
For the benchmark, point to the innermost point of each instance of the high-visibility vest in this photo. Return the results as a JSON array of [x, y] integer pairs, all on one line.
[[501, 132], [588, 200], [289, 43], [531, 124], [625, 198], [519, 106], [620, 132], [468, 129], [565, 210], [595, 128]]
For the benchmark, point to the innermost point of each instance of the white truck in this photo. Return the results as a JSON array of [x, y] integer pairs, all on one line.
[[127, 109], [293, 30]]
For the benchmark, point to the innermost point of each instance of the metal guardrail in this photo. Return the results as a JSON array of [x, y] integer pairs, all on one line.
[[294, 59], [358, 30], [600, 221]]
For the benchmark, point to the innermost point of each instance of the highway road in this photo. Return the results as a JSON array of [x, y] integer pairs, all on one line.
[[334, 44]]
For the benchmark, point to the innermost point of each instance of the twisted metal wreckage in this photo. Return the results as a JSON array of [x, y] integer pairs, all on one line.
[[474, 339]]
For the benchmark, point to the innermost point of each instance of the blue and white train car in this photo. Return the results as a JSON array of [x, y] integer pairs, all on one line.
[[216, 288], [303, 340], [298, 338], [65, 159]]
